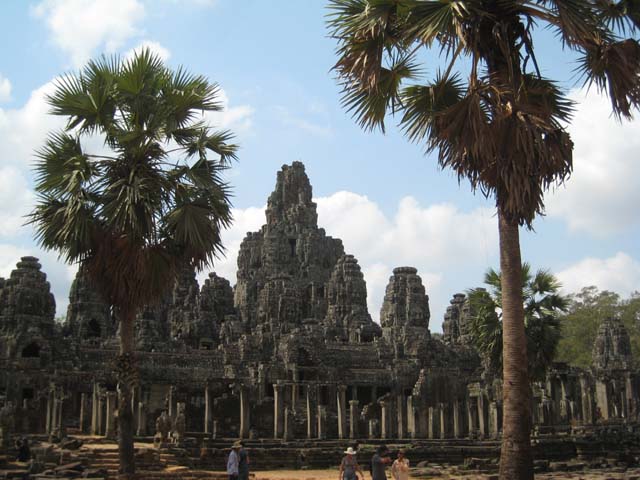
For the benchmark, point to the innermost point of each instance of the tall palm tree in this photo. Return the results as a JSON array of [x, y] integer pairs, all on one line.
[[490, 116], [542, 307], [146, 203]]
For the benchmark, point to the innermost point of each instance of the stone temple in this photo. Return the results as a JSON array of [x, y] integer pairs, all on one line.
[[288, 353]]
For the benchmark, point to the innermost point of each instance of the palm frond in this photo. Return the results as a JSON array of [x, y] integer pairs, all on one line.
[[369, 104], [423, 104], [614, 68]]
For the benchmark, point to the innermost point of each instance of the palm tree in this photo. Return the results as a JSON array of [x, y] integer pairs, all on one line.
[[542, 306], [490, 116], [143, 205]]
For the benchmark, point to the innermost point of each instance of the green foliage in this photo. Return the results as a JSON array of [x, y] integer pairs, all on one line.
[[542, 304], [580, 324], [486, 110], [148, 200]]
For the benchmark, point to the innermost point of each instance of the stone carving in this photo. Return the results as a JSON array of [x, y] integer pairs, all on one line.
[[27, 310], [612, 347], [405, 301], [179, 425], [347, 314], [88, 315], [291, 351], [183, 310], [163, 427], [283, 269]]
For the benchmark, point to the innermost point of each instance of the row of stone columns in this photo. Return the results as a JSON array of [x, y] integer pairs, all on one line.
[[55, 402], [400, 417]]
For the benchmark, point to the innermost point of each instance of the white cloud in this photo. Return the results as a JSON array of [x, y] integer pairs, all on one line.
[[16, 200], [439, 240], [155, 47], [24, 129], [5, 89], [238, 118], [244, 220], [80, 27], [620, 274], [602, 195], [312, 127]]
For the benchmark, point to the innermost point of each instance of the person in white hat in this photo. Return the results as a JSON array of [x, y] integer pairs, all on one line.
[[349, 467]]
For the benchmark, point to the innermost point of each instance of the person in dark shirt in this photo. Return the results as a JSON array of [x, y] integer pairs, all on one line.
[[24, 452], [243, 465], [379, 462]]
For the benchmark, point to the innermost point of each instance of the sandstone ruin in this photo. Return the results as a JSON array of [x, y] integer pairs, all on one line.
[[289, 353]]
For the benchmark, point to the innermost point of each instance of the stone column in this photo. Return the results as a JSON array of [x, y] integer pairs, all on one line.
[[564, 402], [207, 409], [83, 407], [373, 428], [431, 424], [494, 426], [354, 415], [54, 415], [401, 415], [412, 421], [310, 410], [50, 411], [472, 414], [457, 419], [342, 411], [245, 418], [482, 423], [171, 399], [443, 411], [411, 418], [602, 399], [278, 411], [294, 396], [101, 414], [288, 424], [585, 397], [322, 421], [94, 411], [142, 419], [110, 428], [384, 420], [629, 396]]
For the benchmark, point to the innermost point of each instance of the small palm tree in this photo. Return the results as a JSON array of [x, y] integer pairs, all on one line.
[[490, 116], [145, 203], [542, 306]]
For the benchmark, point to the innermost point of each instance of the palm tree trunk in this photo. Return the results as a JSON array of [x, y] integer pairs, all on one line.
[[516, 460], [125, 411]]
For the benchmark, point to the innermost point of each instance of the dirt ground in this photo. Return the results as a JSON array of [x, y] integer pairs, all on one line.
[[333, 475]]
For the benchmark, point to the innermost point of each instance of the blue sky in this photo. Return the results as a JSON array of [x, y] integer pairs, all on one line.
[[389, 203]]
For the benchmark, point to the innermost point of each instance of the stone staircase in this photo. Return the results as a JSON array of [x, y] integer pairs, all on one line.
[[150, 465]]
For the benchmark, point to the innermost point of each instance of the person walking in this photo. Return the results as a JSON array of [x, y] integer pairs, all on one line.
[[349, 467], [243, 462], [233, 462], [400, 467], [379, 462]]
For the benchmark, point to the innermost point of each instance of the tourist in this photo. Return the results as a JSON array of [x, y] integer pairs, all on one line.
[[233, 461], [378, 463], [349, 467], [243, 462], [24, 452], [400, 467]]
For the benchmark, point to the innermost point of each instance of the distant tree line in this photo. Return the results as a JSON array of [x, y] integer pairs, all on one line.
[[579, 325]]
